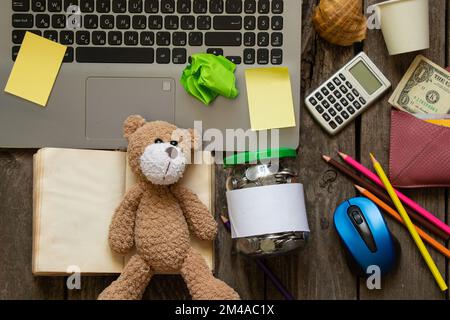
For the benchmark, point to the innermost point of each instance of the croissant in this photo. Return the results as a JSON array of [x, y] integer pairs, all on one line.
[[340, 22]]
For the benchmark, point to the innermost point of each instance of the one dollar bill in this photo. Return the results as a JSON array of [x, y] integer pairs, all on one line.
[[425, 88]]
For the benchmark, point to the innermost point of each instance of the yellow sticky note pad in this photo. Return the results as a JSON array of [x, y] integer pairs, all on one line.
[[269, 98], [35, 69]]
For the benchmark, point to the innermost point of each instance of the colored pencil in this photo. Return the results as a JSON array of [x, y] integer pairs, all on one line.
[[439, 247], [409, 225], [410, 203], [380, 193], [269, 273]]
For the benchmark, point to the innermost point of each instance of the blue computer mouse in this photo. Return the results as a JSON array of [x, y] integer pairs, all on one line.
[[365, 236]]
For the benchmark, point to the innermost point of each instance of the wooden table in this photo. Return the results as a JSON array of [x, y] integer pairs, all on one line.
[[318, 271]]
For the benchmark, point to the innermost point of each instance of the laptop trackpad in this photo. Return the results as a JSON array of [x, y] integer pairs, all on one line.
[[109, 101]]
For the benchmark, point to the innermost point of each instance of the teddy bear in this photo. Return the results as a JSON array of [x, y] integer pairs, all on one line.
[[157, 215]]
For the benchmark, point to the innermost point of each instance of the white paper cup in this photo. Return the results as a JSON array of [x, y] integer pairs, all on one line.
[[405, 25]]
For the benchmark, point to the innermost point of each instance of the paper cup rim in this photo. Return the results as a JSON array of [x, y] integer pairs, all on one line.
[[389, 2]]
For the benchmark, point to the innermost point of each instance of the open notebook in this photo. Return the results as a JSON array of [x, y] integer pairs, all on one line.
[[75, 194]]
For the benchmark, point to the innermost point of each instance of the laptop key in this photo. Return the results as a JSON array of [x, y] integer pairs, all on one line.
[[123, 22], [179, 56], [195, 39], [263, 56], [87, 5], [114, 38], [103, 6], [99, 38], [82, 37], [107, 21], [215, 51], [42, 20], [68, 3], [135, 6], [277, 6], [163, 55], [151, 6], [139, 22], [18, 35], [171, 22], [233, 6], [147, 38], [115, 55], [277, 23], [37, 5], [249, 23], [66, 37], [90, 21], [263, 6], [155, 22], [216, 6], [54, 5], [119, 6], [20, 20], [59, 21], [68, 55], [184, 6], [131, 38], [235, 59], [51, 35], [263, 23], [21, 5], [204, 22], [187, 22], [249, 39], [249, 56], [227, 22], [276, 39], [15, 52], [200, 6], [179, 38], [276, 56], [163, 38], [250, 6], [263, 39], [223, 39]]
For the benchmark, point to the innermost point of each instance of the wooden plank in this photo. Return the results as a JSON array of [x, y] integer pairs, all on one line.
[[319, 270], [412, 280], [17, 282], [235, 269]]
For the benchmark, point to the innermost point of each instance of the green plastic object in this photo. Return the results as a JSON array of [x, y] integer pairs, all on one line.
[[208, 76], [255, 156]]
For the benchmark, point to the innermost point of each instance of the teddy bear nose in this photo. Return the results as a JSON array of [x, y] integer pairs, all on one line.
[[172, 152]]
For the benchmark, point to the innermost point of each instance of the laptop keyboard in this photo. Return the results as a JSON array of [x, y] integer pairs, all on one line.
[[156, 31]]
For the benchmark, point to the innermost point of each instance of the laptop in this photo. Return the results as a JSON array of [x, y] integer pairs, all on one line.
[[126, 57]]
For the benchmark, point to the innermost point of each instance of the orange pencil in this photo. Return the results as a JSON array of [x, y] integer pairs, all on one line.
[[439, 247]]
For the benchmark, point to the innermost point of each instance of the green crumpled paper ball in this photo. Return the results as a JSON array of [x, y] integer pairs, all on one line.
[[208, 76]]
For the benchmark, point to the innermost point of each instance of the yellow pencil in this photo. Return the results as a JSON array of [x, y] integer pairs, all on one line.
[[409, 225]]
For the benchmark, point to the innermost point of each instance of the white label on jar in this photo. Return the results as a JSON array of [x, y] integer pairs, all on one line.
[[267, 209]]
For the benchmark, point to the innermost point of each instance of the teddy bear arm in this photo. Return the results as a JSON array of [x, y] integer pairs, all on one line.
[[121, 229], [200, 221]]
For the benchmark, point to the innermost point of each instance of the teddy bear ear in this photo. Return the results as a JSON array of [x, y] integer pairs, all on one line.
[[195, 139], [131, 124]]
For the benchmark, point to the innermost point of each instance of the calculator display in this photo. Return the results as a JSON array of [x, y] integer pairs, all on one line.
[[365, 77]]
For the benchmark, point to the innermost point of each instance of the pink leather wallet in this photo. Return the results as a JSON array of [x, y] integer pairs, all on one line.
[[419, 152]]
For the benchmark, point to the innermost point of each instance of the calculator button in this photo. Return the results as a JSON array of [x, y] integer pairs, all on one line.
[[349, 85], [339, 120], [342, 76], [332, 112], [325, 91], [331, 86], [345, 114], [319, 96], [319, 109], [326, 104], [343, 89], [338, 107], [351, 110], [362, 100], [333, 124], [337, 94], [355, 92], [337, 81], [344, 102], [313, 101], [350, 97], [332, 99], [326, 117], [357, 105]]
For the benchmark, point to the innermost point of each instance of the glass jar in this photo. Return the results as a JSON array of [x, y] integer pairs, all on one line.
[[266, 202]]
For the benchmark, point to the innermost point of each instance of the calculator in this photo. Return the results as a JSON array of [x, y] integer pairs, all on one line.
[[347, 93]]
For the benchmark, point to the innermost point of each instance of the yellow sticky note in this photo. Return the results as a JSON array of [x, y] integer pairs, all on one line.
[[269, 98], [35, 70], [443, 122]]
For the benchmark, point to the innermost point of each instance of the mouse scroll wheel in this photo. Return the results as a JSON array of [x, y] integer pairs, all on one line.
[[357, 217]]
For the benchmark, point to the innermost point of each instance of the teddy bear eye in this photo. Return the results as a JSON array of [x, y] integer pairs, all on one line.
[[174, 143], [158, 140]]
